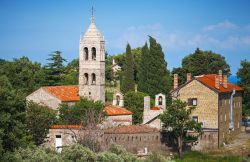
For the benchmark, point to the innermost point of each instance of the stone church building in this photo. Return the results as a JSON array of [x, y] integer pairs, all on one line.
[[91, 81]]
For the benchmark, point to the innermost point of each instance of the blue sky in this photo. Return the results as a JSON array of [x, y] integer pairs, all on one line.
[[36, 28]]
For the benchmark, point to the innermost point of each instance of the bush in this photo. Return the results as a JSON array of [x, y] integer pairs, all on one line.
[[156, 157], [77, 153], [109, 157], [119, 150], [32, 154]]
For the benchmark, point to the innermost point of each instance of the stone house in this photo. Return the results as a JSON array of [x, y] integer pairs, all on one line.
[[218, 107]]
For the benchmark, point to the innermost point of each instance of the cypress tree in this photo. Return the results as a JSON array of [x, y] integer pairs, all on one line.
[[128, 82], [154, 77], [143, 69]]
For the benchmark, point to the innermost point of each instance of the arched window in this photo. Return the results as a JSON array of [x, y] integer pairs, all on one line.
[[117, 100], [160, 100], [86, 78], [93, 51], [86, 53], [93, 79]]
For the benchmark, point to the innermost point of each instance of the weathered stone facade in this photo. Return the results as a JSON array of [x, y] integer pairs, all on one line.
[[92, 64], [42, 97], [211, 95]]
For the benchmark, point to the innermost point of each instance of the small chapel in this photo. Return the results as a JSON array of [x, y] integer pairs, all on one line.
[[91, 81]]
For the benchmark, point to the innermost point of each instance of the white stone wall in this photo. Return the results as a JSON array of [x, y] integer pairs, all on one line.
[[120, 119], [42, 97], [92, 38], [151, 114]]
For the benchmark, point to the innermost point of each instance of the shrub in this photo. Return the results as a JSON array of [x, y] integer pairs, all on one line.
[[77, 153]]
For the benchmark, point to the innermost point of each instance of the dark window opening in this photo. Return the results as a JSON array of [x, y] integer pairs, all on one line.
[[86, 53], [93, 79], [195, 118], [160, 100], [86, 78], [117, 100], [93, 50], [58, 136], [192, 102]]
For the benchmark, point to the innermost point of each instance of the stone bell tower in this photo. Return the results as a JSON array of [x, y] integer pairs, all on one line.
[[92, 64]]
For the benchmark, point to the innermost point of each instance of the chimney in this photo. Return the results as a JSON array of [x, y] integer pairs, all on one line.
[[147, 102], [175, 81], [220, 76], [225, 81], [189, 76], [217, 82]]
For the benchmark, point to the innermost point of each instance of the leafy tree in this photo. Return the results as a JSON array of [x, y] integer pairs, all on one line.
[[158, 77], [244, 75], [176, 119], [128, 82], [78, 113], [39, 119], [134, 101], [202, 62], [55, 68], [23, 74], [12, 116], [71, 73]]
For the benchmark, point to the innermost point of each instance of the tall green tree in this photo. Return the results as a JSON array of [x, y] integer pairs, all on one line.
[[128, 81], [157, 77], [244, 75], [143, 69], [176, 120], [202, 62], [39, 118], [55, 68], [134, 102], [13, 132]]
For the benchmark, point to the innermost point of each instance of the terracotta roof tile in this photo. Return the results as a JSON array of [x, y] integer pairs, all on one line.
[[65, 127], [112, 110], [155, 108], [131, 129], [64, 93], [209, 80]]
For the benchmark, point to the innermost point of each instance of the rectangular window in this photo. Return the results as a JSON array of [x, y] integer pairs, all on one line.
[[195, 118], [192, 102]]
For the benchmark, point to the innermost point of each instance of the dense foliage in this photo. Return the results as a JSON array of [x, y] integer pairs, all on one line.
[[39, 118], [134, 101], [177, 121], [201, 62], [128, 81], [244, 75], [154, 67], [79, 113], [13, 132]]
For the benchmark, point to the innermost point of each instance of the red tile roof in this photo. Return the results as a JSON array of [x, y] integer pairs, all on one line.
[[65, 127], [112, 110], [64, 93], [131, 129], [209, 80], [155, 108]]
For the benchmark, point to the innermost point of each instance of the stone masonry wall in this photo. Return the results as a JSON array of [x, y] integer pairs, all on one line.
[[207, 103], [44, 98]]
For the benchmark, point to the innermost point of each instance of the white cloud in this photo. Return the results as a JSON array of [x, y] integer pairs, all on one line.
[[221, 25], [138, 35]]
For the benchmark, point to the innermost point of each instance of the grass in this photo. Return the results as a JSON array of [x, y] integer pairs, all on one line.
[[194, 156]]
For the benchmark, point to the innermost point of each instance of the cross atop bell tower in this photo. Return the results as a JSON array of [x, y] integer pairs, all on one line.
[[92, 63]]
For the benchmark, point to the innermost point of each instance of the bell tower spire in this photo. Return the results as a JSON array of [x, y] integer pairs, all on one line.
[[92, 63]]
